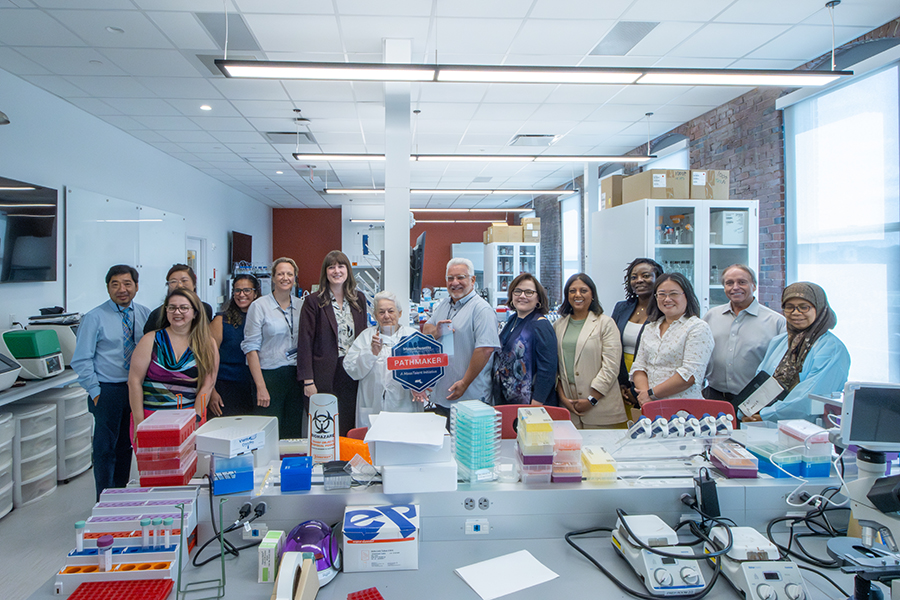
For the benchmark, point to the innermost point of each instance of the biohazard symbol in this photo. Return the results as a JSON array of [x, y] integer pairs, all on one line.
[[323, 422]]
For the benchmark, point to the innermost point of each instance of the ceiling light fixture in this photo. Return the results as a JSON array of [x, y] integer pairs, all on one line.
[[323, 71], [205, 107], [4, 120], [14, 205], [371, 191], [479, 158], [16, 189], [471, 210], [367, 220]]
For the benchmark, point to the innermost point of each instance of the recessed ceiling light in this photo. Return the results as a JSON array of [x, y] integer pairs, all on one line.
[[279, 172], [112, 29], [205, 107]]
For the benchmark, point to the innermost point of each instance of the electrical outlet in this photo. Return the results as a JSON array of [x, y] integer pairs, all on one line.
[[484, 503], [256, 531], [469, 503], [477, 527]]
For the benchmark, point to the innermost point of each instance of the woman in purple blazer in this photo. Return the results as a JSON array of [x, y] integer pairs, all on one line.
[[330, 320]]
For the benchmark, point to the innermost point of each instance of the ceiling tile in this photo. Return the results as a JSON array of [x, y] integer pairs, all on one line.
[[770, 11], [222, 123], [181, 87], [125, 123], [518, 94], [504, 112], [478, 10], [151, 63], [542, 36], [195, 141], [727, 40], [249, 89], [94, 106], [578, 9], [178, 5], [452, 92], [683, 10], [29, 27], [367, 34], [583, 94], [184, 30], [806, 42], [663, 38], [269, 109], [467, 36], [680, 62], [91, 26], [163, 124], [17, 64], [71, 61], [395, 8], [111, 87], [150, 137], [859, 13], [295, 33], [705, 96], [56, 85], [239, 137], [310, 7], [143, 106], [446, 110], [568, 112]]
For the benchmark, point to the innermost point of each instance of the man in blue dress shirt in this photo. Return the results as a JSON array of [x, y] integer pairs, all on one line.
[[106, 338]]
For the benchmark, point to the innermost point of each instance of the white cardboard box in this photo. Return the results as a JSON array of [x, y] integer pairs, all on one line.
[[412, 479], [729, 227], [230, 436], [269, 549], [396, 453], [381, 538]]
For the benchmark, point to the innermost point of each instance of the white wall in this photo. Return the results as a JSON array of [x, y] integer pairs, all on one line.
[[52, 143]]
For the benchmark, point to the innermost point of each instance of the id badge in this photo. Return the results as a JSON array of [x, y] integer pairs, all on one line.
[[290, 354]]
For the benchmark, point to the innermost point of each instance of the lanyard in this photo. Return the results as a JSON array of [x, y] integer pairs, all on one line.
[[290, 323]]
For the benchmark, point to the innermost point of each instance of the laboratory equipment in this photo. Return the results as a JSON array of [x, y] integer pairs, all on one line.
[[9, 371], [64, 332], [662, 575], [104, 552], [145, 533], [37, 352], [754, 566], [316, 537], [79, 536]]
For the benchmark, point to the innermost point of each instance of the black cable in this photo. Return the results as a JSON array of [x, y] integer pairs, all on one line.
[[622, 586], [229, 547], [826, 578]]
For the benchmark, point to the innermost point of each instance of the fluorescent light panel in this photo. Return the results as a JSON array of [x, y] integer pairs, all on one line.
[[463, 192], [16, 189], [471, 210], [600, 158], [367, 220], [522, 74], [14, 205]]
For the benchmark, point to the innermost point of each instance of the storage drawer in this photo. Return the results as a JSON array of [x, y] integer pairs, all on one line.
[[75, 403], [37, 465], [37, 419], [6, 499], [29, 491], [33, 446], [78, 442], [76, 463], [78, 423], [6, 453], [5, 476], [7, 427]]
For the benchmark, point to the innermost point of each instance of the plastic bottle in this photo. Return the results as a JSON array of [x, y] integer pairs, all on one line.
[[167, 531], [156, 532], [104, 552], [145, 533], [79, 536]]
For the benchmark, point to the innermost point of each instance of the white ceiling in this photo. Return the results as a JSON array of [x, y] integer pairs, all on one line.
[[149, 81]]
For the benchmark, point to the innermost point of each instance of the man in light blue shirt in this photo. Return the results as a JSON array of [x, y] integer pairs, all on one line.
[[742, 330], [475, 337], [106, 338]]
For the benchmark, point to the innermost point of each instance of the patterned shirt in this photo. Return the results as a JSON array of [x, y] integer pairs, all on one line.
[[170, 383], [346, 330], [684, 349]]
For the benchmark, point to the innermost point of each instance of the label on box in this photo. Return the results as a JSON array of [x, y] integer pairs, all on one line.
[[659, 180], [698, 177], [529, 226], [602, 196]]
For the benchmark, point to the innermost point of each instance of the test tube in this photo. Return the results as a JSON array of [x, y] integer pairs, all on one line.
[[104, 552], [157, 532], [79, 536], [145, 533], [167, 530]]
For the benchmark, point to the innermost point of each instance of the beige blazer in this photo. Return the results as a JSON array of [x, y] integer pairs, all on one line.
[[598, 353]]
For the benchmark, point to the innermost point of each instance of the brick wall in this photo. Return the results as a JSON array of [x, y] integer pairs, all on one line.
[[546, 208]]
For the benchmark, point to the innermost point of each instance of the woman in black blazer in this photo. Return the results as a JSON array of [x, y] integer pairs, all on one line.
[[630, 315], [330, 320]]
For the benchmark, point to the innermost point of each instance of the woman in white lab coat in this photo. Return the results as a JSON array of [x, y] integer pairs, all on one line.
[[366, 362]]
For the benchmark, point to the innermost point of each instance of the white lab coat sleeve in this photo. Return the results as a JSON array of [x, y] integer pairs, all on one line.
[[359, 359]]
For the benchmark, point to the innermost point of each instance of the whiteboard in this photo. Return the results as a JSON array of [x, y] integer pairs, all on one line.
[[102, 231]]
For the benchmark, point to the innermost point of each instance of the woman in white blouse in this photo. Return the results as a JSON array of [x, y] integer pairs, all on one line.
[[676, 344]]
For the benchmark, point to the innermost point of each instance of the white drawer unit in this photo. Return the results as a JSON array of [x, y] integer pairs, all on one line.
[[6, 499], [34, 452], [76, 463], [7, 428], [34, 489], [74, 427]]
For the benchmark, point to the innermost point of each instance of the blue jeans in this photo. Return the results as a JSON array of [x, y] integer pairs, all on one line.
[[112, 439]]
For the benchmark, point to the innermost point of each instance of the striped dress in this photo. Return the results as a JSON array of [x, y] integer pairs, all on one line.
[[169, 383]]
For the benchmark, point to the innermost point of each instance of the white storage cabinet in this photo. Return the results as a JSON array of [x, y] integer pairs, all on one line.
[[74, 429], [503, 262], [34, 452]]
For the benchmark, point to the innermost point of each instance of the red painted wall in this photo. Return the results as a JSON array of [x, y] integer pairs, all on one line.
[[306, 235], [439, 238]]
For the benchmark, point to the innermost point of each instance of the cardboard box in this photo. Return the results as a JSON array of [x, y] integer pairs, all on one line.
[[657, 184], [728, 227], [498, 233], [531, 223], [611, 191], [710, 184], [415, 479], [394, 453], [381, 538], [485, 237], [269, 550], [531, 236]]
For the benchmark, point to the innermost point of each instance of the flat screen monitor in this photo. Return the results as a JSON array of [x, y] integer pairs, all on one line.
[[241, 248], [416, 266], [27, 232], [870, 416]]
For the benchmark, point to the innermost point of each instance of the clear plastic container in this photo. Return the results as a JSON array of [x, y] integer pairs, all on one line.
[[166, 428], [5, 475], [6, 453], [30, 491], [770, 455], [39, 443], [535, 438], [566, 438], [77, 442], [734, 456], [530, 445], [7, 427], [569, 456], [165, 458], [78, 423], [597, 464], [34, 418], [36, 465], [534, 478], [6, 499], [78, 462], [816, 466], [172, 476]]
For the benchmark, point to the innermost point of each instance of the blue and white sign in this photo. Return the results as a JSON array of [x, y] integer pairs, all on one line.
[[417, 362]]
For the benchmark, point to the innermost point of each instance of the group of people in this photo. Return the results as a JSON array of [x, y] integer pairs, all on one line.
[[267, 354]]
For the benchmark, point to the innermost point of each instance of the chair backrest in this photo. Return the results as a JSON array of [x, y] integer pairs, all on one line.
[[510, 412], [667, 408], [357, 434]]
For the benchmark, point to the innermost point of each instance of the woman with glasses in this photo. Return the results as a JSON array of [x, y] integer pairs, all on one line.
[[270, 344], [676, 344], [524, 370], [631, 313], [590, 351], [233, 394], [174, 367], [366, 362], [808, 359], [331, 319]]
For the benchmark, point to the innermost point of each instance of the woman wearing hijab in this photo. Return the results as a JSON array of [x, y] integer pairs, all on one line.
[[808, 359]]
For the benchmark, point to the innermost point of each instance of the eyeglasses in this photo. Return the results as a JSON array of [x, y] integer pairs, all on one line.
[[182, 309], [182, 281], [800, 308], [672, 295], [526, 293], [244, 291]]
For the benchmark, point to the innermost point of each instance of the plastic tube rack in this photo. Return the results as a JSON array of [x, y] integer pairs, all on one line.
[[129, 563]]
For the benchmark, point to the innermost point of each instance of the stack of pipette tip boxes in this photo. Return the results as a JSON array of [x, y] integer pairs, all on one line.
[[535, 445], [166, 450], [475, 429], [566, 453]]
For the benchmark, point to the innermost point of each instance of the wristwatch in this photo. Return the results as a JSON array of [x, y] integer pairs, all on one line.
[[650, 393], [593, 400]]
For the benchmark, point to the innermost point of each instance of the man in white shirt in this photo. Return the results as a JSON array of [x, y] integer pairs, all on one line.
[[475, 337], [742, 330]]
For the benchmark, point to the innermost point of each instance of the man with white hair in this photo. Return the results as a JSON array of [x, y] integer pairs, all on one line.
[[475, 337]]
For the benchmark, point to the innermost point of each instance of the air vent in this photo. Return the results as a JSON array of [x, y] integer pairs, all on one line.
[[239, 36], [262, 159], [623, 37], [534, 139], [290, 137], [319, 176], [481, 179]]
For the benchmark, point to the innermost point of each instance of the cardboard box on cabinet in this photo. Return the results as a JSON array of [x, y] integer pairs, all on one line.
[[611, 191], [710, 184], [659, 184]]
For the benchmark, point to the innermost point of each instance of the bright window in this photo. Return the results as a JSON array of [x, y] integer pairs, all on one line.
[[843, 214], [571, 235]]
